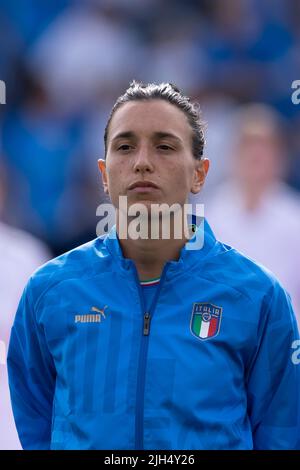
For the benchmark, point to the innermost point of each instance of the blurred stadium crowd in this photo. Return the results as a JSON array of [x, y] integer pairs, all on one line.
[[64, 63]]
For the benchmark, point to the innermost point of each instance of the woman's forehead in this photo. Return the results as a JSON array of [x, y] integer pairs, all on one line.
[[149, 116]]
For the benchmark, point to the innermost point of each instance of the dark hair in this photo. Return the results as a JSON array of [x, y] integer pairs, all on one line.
[[166, 91]]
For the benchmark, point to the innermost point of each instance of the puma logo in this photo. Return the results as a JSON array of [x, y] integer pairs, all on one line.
[[91, 317]]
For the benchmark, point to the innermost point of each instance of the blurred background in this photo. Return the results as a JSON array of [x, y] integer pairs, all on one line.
[[65, 62]]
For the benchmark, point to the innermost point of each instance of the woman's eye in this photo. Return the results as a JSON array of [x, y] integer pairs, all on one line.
[[165, 147], [124, 147]]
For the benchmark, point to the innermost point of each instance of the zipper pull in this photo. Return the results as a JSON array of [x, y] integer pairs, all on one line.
[[146, 324]]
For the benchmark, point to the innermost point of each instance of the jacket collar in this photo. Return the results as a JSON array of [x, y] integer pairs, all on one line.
[[199, 247]]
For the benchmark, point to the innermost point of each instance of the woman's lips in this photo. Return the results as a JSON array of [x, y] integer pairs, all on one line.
[[143, 187]]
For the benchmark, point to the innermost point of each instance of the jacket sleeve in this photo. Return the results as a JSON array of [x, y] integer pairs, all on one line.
[[31, 377], [274, 378]]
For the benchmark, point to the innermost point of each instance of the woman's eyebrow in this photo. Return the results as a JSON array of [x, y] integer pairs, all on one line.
[[168, 135], [124, 135], [155, 135]]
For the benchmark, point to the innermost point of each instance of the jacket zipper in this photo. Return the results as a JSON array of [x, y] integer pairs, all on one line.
[[141, 375], [147, 319]]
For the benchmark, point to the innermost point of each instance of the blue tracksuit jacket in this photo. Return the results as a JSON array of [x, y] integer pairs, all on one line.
[[213, 364]]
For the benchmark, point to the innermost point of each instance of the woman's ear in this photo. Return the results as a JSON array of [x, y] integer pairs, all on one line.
[[200, 172], [102, 168]]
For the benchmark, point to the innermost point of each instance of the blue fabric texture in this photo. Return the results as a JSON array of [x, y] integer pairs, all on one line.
[[84, 375]]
